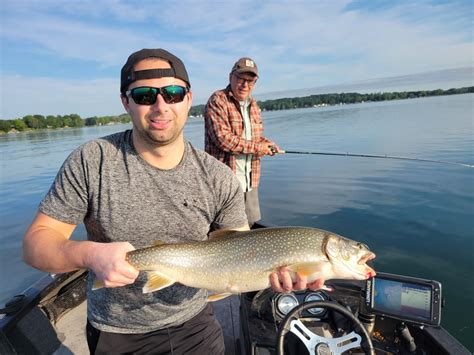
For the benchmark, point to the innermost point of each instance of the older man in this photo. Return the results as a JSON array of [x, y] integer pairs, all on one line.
[[234, 131]]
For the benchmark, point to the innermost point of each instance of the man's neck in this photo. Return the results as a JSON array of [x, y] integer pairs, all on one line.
[[163, 157], [245, 102]]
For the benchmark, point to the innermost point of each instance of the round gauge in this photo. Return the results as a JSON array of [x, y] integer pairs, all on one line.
[[286, 303], [315, 296]]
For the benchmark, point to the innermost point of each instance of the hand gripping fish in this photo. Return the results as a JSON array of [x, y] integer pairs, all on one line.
[[242, 261]]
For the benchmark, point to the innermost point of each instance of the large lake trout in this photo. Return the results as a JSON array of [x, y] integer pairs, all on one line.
[[242, 261]]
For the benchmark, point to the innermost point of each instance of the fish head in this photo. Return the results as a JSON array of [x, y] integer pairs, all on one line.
[[348, 258]]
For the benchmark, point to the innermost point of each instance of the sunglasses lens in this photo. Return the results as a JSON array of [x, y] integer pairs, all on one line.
[[144, 95], [173, 94]]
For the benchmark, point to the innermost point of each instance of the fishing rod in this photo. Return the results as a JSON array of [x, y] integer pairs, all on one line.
[[375, 156]]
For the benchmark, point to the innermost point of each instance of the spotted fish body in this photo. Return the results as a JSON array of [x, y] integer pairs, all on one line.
[[242, 261]]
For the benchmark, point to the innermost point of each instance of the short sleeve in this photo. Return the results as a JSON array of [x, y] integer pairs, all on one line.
[[67, 199]]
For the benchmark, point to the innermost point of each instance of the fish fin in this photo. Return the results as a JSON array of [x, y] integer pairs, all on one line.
[[220, 233], [97, 284], [156, 281], [306, 269], [157, 242], [218, 296]]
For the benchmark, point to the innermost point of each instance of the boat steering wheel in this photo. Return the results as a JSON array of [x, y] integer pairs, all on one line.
[[316, 344]]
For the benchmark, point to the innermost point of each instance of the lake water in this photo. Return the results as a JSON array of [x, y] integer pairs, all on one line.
[[418, 217]]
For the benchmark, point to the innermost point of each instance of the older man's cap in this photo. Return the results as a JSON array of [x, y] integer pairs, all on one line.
[[245, 65], [128, 75]]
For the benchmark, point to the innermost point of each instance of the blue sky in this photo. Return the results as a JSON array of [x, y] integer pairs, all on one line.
[[60, 57]]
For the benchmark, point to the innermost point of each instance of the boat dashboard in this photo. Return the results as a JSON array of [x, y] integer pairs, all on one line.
[[404, 320]]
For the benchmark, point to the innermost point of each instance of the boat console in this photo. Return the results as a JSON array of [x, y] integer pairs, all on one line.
[[388, 314]]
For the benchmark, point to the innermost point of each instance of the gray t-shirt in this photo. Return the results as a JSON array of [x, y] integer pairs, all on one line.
[[120, 197]]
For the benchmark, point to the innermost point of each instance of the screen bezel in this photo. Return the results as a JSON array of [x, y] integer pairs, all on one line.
[[434, 286]]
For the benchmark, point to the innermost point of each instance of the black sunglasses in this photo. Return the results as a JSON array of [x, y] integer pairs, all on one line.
[[147, 95]]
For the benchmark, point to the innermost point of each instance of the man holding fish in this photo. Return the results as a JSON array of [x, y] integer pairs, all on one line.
[[133, 188]]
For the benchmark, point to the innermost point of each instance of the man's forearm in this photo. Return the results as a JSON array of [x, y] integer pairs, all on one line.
[[229, 142], [49, 251]]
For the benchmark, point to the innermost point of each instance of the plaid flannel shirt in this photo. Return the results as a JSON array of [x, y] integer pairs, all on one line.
[[224, 125]]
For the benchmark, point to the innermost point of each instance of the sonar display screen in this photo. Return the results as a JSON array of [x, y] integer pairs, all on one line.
[[402, 299]]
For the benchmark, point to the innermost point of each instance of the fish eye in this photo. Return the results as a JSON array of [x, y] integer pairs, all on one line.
[[362, 246]]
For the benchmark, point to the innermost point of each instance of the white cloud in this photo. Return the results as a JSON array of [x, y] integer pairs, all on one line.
[[72, 39], [296, 44]]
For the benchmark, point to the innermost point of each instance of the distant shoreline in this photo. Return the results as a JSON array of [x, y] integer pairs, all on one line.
[[34, 130], [32, 123], [322, 100]]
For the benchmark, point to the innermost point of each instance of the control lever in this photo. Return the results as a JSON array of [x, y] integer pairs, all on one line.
[[368, 321], [406, 336]]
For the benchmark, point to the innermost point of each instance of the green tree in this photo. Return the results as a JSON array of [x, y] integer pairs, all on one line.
[[91, 121], [53, 121], [76, 120], [6, 125], [19, 125], [31, 121], [41, 121]]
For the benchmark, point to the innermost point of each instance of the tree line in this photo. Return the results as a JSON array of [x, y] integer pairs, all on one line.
[[73, 120], [31, 122], [342, 98]]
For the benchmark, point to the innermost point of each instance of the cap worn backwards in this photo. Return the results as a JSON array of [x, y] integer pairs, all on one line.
[[128, 75], [245, 65]]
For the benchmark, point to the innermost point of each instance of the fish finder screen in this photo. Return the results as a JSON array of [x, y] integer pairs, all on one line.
[[402, 298]]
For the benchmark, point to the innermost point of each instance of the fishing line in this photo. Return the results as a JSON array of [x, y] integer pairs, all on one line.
[[376, 156]]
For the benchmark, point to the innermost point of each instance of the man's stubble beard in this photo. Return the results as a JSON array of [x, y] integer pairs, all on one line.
[[150, 140]]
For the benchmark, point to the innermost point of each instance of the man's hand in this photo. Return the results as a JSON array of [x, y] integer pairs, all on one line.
[[107, 261], [281, 281], [271, 149]]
